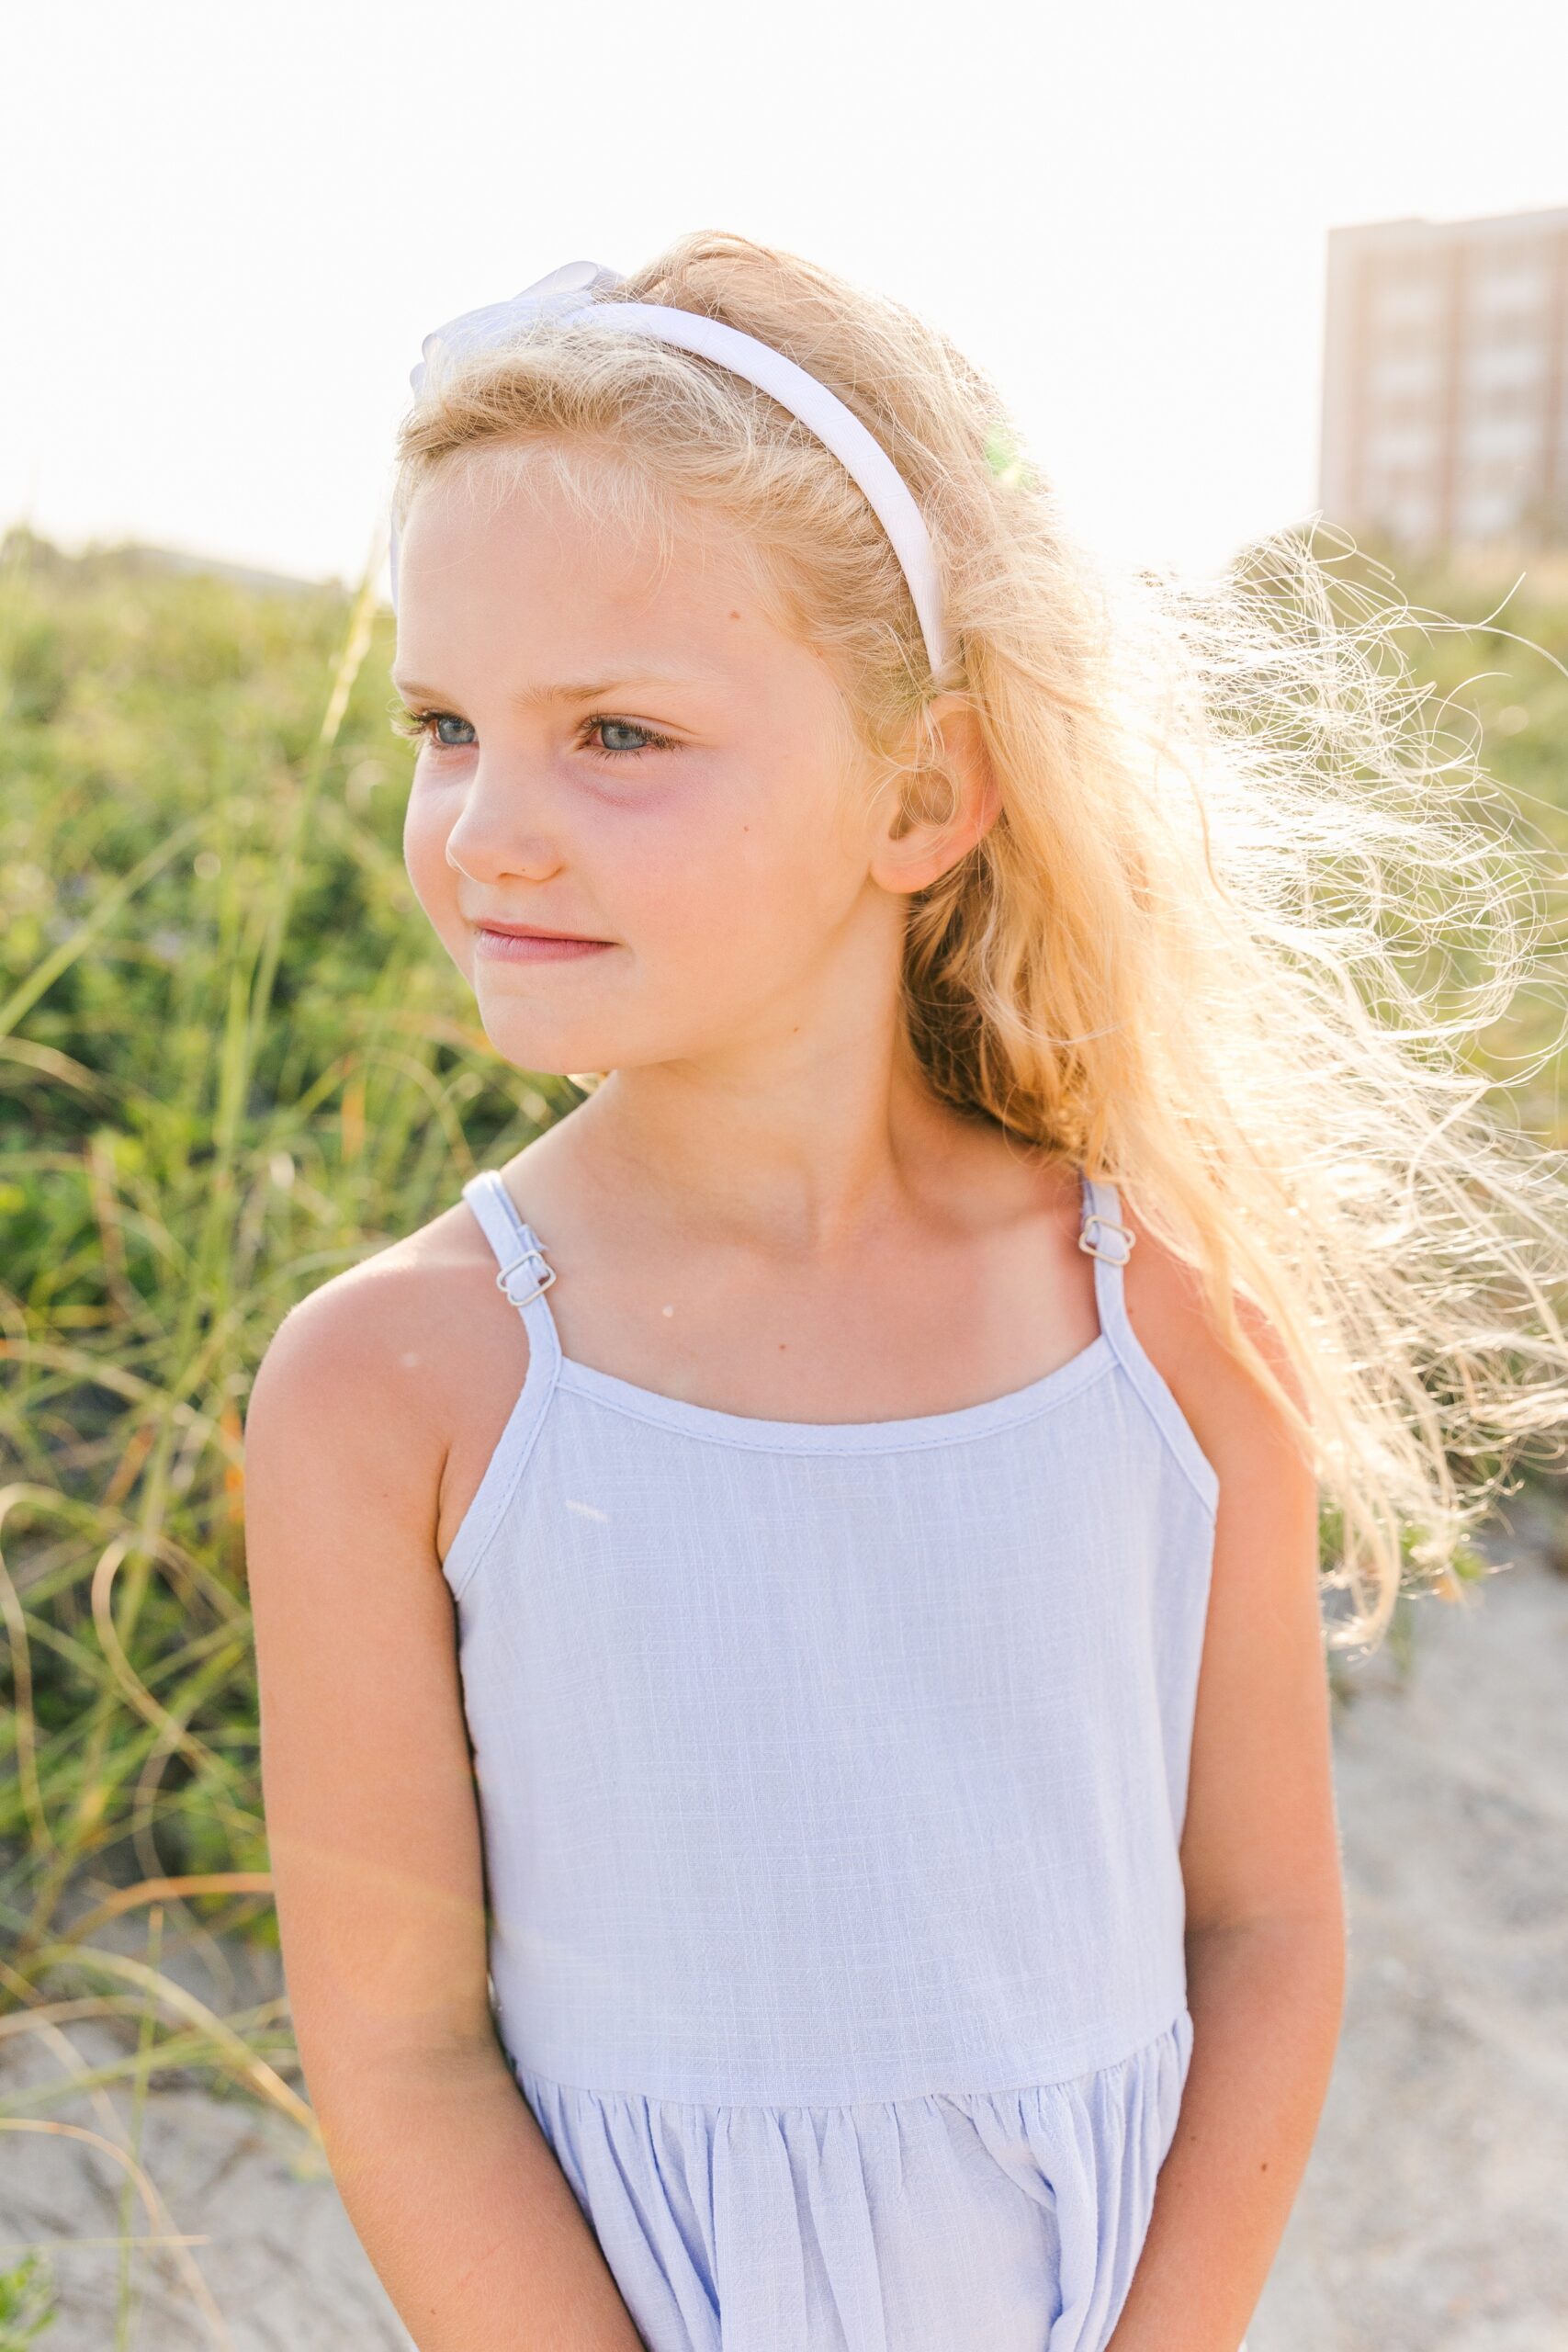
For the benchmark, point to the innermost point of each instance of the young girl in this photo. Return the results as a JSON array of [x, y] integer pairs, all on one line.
[[795, 1716]]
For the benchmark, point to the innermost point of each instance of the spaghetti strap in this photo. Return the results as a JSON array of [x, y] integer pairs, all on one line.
[[1110, 1244], [526, 1274]]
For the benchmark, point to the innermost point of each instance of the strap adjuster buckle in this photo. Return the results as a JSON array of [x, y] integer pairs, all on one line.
[[1107, 1225], [542, 1284]]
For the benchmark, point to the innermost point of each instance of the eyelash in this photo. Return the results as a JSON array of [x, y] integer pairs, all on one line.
[[416, 725]]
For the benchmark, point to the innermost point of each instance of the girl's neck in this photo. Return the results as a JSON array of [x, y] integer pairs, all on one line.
[[805, 1163]]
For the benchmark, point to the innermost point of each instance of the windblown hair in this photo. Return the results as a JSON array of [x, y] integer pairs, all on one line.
[[1240, 912]]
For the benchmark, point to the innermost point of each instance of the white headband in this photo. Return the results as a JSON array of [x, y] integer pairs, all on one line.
[[862, 458]]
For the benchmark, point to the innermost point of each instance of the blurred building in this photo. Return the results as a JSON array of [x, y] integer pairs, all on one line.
[[1445, 396]]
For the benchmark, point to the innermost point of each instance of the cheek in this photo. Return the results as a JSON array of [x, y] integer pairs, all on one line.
[[426, 822], [743, 881]]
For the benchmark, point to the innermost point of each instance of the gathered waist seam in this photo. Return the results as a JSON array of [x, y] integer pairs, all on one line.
[[906, 2098]]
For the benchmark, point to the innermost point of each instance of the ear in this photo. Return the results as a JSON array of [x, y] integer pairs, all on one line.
[[946, 799]]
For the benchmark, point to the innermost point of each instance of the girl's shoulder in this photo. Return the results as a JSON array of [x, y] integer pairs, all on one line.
[[1232, 1414], [407, 1362]]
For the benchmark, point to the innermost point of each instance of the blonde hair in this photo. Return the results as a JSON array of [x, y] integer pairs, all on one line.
[[1206, 949]]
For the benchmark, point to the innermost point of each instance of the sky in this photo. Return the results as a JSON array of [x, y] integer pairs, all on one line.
[[229, 227]]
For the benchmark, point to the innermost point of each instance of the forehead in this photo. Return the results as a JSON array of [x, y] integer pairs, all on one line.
[[508, 527]]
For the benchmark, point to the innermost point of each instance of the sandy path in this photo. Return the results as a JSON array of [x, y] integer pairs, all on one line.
[[1431, 2218]]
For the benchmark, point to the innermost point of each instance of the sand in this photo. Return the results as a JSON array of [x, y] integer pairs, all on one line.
[[1431, 2217]]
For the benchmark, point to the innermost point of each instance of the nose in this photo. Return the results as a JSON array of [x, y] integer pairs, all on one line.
[[497, 830]]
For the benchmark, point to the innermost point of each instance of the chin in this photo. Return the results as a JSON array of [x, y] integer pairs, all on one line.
[[547, 1057], [526, 1036], [553, 1050]]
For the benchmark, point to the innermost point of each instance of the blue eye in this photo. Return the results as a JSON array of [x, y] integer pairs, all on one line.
[[418, 725], [647, 740]]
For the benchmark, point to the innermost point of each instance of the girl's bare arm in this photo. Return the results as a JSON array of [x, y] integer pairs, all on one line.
[[374, 1831], [1260, 1857]]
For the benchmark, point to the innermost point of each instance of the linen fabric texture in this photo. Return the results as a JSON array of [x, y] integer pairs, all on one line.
[[832, 1780]]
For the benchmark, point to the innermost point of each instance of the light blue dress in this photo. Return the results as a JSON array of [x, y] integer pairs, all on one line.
[[831, 1779]]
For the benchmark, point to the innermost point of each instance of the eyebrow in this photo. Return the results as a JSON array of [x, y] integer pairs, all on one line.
[[572, 691]]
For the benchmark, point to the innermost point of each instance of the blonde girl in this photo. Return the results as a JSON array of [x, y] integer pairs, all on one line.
[[794, 1724]]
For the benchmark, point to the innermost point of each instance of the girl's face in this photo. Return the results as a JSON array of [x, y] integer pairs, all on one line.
[[630, 750]]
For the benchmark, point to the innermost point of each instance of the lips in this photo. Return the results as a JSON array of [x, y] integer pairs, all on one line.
[[511, 945], [539, 931]]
